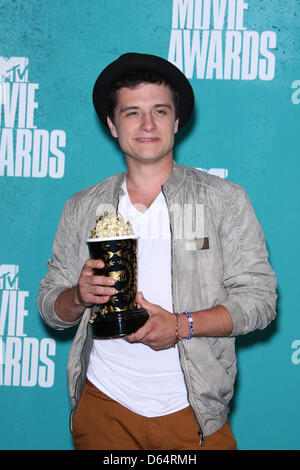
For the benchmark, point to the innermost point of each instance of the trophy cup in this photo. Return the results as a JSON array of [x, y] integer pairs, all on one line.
[[117, 247]]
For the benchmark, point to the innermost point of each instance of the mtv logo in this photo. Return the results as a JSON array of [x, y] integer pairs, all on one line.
[[221, 172], [13, 69], [9, 276]]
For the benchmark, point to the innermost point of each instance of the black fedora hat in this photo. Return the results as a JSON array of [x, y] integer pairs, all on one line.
[[134, 61]]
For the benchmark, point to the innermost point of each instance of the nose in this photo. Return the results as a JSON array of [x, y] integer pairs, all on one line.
[[147, 122]]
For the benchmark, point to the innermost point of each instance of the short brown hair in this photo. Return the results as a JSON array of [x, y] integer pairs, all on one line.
[[133, 79]]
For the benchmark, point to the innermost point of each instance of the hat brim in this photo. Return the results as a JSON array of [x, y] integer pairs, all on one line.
[[135, 61]]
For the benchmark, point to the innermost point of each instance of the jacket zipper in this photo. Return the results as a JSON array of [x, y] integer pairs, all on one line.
[[76, 398], [81, 362], [200, 432]]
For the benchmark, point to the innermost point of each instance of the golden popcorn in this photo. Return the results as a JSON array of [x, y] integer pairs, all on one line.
[[111, 225]]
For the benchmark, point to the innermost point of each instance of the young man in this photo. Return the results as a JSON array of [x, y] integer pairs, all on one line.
[[204, 278]]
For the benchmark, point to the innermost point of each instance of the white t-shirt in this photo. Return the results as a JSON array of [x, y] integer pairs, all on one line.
[[147, 382]]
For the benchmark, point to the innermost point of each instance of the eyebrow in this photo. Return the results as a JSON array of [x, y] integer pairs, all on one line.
[[127, 108]]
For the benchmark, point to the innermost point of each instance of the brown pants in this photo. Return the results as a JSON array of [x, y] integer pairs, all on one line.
[[102, 423]]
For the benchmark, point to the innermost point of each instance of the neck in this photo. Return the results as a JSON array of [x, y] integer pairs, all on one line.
[[144, 182], [149, 177]]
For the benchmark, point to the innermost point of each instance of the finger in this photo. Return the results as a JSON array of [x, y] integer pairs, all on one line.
[[144, 303], [91, 293], [140, 334], [98, 299], [98, 285], [87, 298], [97, 294], [102, 290], [89, 276], [95, 264], [101, 281]]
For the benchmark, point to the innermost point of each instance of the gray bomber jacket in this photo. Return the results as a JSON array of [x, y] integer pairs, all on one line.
[[226, 263]]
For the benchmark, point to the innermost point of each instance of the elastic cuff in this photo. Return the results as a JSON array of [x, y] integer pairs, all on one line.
[[237, 315], [48, 313]]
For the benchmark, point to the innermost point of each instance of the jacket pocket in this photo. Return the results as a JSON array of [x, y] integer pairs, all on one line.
[[223, 349]]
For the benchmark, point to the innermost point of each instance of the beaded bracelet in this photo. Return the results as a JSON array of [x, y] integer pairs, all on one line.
[[191, 324], [81, 301]]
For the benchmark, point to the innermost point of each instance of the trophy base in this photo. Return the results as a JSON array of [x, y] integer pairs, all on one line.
[[118, 324]]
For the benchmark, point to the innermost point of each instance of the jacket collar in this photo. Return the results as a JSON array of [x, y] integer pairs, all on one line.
[[175, 179]]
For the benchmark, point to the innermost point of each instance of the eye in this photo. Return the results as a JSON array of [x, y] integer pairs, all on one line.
[[132, 113], [161, 111]]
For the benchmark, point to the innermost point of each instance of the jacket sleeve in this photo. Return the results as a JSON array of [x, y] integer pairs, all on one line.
[[248, 278], [63, 269]]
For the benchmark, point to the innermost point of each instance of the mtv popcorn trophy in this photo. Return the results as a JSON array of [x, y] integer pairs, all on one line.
[[113, 241]]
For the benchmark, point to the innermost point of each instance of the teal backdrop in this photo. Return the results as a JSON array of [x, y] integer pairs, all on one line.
[[243, 61]]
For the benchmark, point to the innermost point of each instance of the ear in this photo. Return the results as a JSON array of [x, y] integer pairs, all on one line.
[[176, 126], [112, 127]]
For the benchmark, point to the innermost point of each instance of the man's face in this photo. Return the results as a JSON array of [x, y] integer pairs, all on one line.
[[144, 122]]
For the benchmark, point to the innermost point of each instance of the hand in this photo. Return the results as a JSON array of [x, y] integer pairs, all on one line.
[[94, 289], [159, 330]]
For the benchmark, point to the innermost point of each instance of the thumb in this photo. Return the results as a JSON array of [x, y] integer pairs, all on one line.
[[143, 302]]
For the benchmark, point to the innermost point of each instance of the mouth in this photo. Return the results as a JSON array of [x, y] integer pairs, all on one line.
[[147, 140]]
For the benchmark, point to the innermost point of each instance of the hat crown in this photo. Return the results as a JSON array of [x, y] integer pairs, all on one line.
[[134, 61]]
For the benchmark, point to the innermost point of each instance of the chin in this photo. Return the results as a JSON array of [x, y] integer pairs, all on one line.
[[147, 159]]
